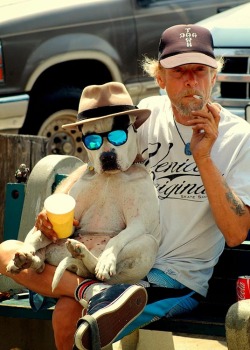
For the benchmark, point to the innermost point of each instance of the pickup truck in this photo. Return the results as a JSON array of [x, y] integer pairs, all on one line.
[[51, 49], [231, 34]]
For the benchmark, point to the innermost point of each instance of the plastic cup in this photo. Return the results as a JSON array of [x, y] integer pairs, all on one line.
[[60, 211]]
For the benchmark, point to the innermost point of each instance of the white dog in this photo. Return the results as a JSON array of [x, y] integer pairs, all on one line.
[[116, 202]]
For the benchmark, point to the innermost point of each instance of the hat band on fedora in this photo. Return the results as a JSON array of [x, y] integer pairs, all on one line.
[[103, 111]]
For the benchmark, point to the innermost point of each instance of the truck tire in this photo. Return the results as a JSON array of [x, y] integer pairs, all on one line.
[[51, 111]]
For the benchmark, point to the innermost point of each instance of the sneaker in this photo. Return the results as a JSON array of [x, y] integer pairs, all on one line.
[[109, 312]]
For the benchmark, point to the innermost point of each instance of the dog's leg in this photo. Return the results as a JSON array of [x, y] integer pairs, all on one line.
[[133, 262], [79, 251], [82, 262], [26, 257]]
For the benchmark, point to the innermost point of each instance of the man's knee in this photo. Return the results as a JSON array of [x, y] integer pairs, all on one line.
[[7, 251], [66, 306]]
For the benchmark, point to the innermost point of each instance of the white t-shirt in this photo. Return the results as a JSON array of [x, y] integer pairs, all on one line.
[[191, 241]]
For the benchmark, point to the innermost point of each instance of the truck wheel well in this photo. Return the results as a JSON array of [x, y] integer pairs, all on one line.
[[77, 73]]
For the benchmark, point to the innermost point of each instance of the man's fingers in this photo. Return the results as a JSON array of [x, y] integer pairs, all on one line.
[[76, 222], [215, 110], [44, 225]]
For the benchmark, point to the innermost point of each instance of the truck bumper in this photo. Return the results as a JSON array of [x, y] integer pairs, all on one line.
[[13, 110]]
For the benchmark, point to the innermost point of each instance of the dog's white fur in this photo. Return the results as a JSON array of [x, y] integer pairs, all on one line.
[[117, 209]]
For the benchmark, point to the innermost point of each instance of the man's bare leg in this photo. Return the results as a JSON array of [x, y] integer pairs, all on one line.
[[64, 326], [65, 316], [40, 283]]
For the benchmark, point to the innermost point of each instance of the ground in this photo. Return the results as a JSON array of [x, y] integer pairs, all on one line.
[[199, 343]]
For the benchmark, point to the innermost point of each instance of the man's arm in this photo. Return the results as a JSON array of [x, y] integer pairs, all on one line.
[[231, 215]]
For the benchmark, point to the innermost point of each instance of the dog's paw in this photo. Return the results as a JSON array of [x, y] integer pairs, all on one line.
[[21, 261], [76, 249], [106, 266], [11, 267]]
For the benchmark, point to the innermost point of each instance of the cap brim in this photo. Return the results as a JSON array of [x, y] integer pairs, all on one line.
[[188, 58], [141, 116]]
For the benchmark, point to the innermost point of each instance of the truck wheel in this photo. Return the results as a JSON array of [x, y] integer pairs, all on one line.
[[62, 141]]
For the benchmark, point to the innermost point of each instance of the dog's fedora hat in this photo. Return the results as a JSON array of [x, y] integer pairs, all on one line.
[[105, 101]]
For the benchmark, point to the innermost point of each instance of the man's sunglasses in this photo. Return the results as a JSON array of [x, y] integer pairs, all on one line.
[[116, 137]]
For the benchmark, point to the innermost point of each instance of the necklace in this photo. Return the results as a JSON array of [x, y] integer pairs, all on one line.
[[187, 149]]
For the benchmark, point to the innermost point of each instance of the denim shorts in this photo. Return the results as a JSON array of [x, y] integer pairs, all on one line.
[[166, 298]]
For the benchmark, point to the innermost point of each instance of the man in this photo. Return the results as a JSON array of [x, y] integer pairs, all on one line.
[[199, 156]]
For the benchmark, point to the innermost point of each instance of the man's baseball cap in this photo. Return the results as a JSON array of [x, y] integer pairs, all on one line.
[[184, 44]]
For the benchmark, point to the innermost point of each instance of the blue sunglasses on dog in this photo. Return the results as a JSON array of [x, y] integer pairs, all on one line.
[[116, 137]]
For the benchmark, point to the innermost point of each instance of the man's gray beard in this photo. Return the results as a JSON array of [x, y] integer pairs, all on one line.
[[186, 109]]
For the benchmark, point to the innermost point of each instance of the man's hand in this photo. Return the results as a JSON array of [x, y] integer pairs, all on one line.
[[44, 225], [205, 131]]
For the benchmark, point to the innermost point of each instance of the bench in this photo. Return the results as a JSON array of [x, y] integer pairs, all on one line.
[[210, 318]]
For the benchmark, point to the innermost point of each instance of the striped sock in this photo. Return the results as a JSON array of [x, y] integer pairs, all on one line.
[[87, 289]]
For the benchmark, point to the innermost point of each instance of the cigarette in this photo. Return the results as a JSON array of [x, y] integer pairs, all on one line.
[[197, 97]]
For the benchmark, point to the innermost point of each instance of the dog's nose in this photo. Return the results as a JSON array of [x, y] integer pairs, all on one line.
[[109, 161]]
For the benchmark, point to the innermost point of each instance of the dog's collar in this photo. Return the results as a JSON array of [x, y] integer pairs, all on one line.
[[138, 163], [138, 159]]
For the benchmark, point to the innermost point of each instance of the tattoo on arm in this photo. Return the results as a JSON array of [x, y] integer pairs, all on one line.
[[236, 204]]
